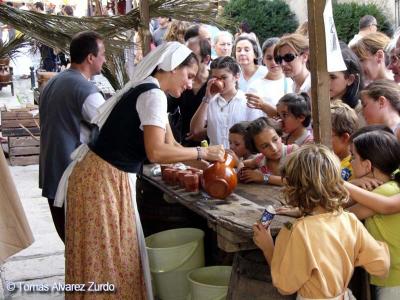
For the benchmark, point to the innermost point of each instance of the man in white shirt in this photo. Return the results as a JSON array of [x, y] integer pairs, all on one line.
[[367, 24], [159, 33], [68, 102]]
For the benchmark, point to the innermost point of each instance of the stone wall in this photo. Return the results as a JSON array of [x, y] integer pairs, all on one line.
[[299, 7]]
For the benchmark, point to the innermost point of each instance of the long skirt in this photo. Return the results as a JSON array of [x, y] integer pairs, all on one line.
[[101, 243]]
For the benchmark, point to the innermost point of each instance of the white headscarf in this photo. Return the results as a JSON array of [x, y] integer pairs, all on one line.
[[167, 57]]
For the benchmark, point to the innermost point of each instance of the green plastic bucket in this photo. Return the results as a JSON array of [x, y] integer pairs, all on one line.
[[172, 255], [209, 283]]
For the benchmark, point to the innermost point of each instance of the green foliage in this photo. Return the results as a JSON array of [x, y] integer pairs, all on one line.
[[267, 18], [347, 16]]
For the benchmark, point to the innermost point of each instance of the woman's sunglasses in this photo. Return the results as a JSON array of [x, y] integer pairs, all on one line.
[[288, 57]]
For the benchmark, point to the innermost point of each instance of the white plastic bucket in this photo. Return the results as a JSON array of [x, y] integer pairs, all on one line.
[[172, 255], [209, 283]]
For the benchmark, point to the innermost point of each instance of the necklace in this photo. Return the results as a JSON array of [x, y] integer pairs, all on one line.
[[222, 107]]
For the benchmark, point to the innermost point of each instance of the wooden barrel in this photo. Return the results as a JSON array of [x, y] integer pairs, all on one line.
[[251, 278], [5, 74]]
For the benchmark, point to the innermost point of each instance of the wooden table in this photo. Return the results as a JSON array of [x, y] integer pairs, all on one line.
[[232, 219]]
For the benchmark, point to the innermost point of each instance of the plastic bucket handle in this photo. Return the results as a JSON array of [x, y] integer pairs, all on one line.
[[191, 252]]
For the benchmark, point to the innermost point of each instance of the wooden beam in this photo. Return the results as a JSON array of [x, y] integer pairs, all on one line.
[[321, 113], [144, 30]]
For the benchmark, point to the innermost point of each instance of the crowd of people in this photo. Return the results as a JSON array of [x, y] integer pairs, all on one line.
[[250, 100]]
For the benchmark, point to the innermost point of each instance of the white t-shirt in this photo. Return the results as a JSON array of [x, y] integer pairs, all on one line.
[[260, 73], [305, 87], [355, 39], [271, 90], [89, 110], [221, 115]]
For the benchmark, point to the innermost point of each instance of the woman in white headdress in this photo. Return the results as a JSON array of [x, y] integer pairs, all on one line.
[[104, 239]]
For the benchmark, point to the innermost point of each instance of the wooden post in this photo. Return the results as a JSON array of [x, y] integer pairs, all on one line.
[[144, 31], [321, 113]]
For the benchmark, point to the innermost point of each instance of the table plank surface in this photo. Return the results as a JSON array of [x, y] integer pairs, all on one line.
[[233, 217]]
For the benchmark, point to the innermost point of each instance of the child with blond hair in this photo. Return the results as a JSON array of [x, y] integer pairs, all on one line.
[[316, 256], [344, 124]]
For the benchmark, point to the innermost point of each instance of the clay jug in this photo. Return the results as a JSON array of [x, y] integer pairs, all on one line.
[[5, 75], [219, 179]]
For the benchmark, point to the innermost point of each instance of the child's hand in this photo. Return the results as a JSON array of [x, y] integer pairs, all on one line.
[[195, 137], [208, 88], [366, 183], [254, 101], [288, 211], [263, 239], [234, 156], [249, 175]]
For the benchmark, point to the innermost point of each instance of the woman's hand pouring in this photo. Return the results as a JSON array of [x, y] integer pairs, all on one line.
[[214, 153]]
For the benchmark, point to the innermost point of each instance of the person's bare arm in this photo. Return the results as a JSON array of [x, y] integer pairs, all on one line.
[[158, 151], [199, 119], [254, 101], [250, 163], [198, 137], [361, 211], [263, 239], [380, 204], [169, 136]]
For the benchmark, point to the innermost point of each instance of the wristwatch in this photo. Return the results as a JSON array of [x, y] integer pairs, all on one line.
[[266, 178]]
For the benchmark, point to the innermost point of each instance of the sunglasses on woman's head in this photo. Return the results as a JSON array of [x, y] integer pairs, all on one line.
[[288, 57]]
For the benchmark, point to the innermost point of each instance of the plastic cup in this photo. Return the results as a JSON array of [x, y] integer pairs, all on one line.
[[267, 216]]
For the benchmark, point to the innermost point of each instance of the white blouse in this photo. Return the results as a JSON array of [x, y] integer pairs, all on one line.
[[244, 84], [271, 91], [222, 115]]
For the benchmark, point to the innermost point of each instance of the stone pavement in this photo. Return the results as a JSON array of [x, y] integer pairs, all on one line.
[[42, 264]]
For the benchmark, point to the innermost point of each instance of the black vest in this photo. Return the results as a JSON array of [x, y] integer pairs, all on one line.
[[120, 141]]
